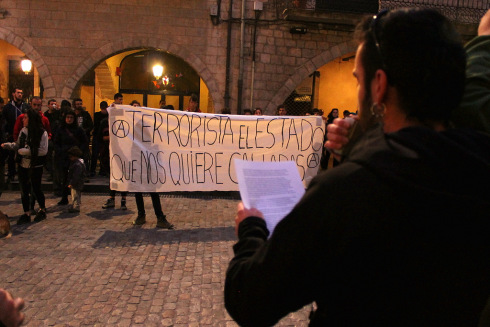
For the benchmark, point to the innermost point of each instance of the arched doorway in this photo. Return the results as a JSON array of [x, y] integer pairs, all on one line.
[[130, 73], [177, 82], [330, 86], [11, 74]]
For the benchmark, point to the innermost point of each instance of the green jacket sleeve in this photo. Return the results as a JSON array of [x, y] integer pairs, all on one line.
[[474, 111]]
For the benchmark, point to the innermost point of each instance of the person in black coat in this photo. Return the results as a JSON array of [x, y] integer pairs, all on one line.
[[96, 144], [397, 234], [11, 111], [68, 135]]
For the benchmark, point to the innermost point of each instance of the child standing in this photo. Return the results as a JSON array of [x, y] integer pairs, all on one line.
[[76, 177]]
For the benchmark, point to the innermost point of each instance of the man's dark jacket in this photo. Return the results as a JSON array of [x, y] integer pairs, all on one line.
[[87, 122], [10, 113], [397, 235]]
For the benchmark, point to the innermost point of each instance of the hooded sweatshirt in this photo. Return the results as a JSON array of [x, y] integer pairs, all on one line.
[[397, 235]]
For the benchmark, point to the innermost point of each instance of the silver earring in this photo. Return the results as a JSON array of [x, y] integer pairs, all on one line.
[[378, 110]]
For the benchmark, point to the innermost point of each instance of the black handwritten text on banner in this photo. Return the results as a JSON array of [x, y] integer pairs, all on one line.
[[154, 150]]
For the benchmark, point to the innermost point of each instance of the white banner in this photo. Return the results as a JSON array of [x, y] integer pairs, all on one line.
[[156, 150]]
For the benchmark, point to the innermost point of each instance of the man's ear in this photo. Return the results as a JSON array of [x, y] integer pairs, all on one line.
[[379, 86]]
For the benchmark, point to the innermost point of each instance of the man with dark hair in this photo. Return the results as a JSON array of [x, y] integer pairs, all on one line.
[[118, 98], [84, 120], [53, 114], [11, 111], [412, 248], [36, 104], [281, 110]]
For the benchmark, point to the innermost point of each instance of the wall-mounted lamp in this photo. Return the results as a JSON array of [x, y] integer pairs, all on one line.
[[26, 66], [258, 7], [157, 71], [214, 14]]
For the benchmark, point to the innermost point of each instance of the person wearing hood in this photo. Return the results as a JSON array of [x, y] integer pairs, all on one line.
[[397, 234], [68, 135]]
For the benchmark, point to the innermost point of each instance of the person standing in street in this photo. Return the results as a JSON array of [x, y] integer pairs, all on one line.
[[11, 111], [31, 148]]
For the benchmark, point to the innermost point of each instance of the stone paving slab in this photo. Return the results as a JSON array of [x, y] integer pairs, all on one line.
[[96, 269]]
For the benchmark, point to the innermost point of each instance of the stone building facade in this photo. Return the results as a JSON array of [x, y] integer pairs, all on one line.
[[67, 38]]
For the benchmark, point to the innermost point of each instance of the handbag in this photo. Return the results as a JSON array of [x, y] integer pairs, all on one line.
[[22, 144]]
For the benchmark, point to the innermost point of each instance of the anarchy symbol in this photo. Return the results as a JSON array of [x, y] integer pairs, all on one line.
[[313, 160], [120, 128]]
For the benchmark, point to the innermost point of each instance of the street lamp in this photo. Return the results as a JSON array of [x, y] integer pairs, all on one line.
[[157, 71], [26, 66]]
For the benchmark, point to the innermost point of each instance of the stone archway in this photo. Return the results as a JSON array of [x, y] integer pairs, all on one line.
[[306, 69], [23, 45], [118, 46]]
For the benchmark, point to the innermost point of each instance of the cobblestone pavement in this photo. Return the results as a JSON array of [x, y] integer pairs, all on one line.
[[96, 269]]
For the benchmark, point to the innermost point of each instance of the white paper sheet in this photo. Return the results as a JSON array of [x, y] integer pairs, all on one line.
[[272, 187]]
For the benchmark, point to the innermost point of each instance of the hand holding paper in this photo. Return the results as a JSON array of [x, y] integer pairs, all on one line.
[[274, 188], [243, 213]]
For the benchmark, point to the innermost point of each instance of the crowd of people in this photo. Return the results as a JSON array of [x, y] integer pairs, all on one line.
[[70, 131], [58, 141]]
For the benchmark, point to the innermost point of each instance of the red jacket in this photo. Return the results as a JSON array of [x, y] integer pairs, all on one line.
[[19, 124]]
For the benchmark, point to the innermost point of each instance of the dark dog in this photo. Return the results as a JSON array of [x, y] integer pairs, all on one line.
[[5, 230]]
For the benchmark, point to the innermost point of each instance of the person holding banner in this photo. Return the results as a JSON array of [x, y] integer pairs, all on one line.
[[162, 221], [396, 235], [162, 102], [281, 110], [135, 103], [334, 114], [104, 155], [193, 104], [105, 165]]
